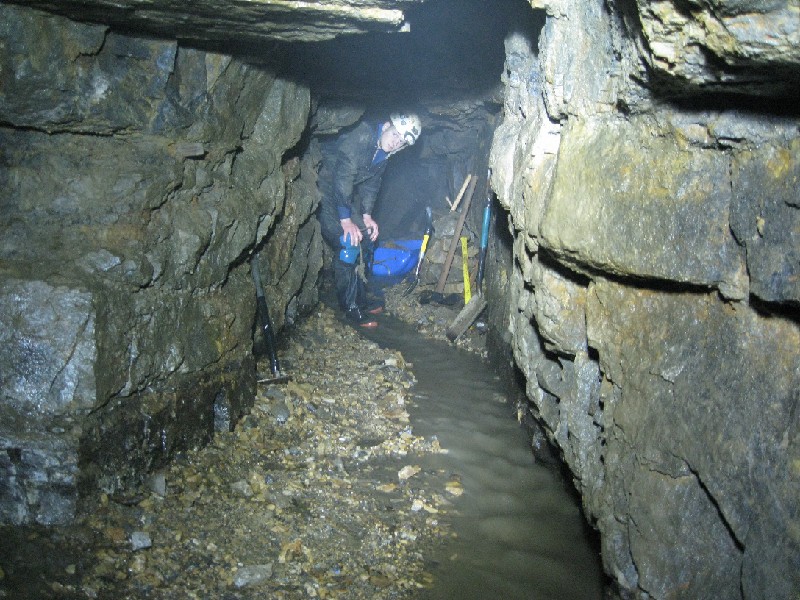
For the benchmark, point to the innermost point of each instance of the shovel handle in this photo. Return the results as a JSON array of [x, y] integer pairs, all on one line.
[[422, 249], [487, 217], [263, 314], [465, 269], [456, 235], [455, 203]]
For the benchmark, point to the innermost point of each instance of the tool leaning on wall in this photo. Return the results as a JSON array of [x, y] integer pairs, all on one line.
[[478, 302], [437, 295], [425, 239], [278, 376]]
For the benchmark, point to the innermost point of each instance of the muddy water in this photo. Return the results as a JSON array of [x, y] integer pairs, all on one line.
[[520, 533]]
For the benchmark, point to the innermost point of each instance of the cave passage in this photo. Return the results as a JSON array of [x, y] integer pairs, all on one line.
[[449, 69], [642, 276], [520, 533]]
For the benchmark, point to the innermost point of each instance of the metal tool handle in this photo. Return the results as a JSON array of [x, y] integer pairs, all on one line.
[[456, 236], [487, 216], [266, 322]]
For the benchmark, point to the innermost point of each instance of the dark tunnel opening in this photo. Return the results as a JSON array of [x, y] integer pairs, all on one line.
[[453, 52], [448, 68]]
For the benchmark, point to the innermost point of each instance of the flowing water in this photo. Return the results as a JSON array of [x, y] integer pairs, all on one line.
[[520, 532]]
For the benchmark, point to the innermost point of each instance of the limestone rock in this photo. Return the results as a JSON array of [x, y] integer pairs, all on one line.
[[251, 575], [214, 21], [750, 45], [677, 413], [47, 335], [560, 314], [135, 187], [48, 385], [632, 204], [140, 540], [703, 434], [766, 219]]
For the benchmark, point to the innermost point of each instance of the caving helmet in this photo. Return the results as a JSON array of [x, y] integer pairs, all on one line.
[[408, 126]]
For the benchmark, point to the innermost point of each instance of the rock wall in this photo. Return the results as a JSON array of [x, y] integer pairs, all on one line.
[[651, 171], [137, 177]]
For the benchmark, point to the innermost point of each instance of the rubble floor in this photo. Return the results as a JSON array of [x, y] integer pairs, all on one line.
[[316, 493]]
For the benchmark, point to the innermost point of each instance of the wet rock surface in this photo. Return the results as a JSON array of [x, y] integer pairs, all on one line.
[[316, 493], [692, 232], [127, 229]]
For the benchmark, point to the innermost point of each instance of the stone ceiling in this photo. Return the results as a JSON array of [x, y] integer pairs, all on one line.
[[247, 21], [453, 48], [384, 51]]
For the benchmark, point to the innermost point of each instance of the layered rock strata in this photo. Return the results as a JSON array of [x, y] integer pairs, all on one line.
[[138, 177], [654, 299], [236, 22]]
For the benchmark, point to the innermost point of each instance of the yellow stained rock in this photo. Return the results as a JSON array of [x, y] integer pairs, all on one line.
[[302, 391], [454, 488], [418, 505], [116, 534], [290, 550], [408, 471]]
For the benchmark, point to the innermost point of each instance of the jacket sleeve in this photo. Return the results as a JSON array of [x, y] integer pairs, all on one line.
[[368, 190], [344, 174]]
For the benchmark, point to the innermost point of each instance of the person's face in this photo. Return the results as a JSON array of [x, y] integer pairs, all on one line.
[[391, 140]]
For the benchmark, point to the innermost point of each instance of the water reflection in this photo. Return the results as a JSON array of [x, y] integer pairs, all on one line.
[[520, 532]]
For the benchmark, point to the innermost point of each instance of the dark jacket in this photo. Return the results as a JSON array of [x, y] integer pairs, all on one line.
[[348, 180]]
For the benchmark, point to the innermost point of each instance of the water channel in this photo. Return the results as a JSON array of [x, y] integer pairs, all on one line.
[[520, 532]]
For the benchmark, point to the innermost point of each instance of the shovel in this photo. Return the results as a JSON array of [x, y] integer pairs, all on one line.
[[477, 303], [266, 327], [425, 238], [437, 295]]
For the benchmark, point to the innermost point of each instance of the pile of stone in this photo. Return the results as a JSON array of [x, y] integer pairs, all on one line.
[[317, 493], [431, 319], [436, 254]]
